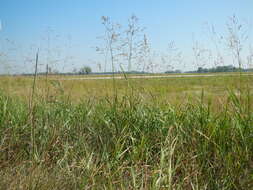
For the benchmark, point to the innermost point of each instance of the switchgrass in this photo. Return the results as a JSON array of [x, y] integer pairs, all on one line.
[[126, 142]]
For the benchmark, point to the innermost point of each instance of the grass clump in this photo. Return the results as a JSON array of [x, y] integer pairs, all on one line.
[[126, 143]]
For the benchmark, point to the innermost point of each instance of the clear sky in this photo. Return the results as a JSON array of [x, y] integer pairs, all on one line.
[[75, 25]]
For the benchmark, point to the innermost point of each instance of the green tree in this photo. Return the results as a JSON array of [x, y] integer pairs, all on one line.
[[85, 70]]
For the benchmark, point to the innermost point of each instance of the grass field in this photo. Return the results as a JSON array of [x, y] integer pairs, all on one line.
[[167, 133], [164, 89]]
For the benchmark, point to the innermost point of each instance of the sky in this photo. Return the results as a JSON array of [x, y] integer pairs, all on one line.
[[70, 28]]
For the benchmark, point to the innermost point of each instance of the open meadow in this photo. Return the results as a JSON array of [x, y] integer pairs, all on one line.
[[165, 89], [149, 133], [95, 97]]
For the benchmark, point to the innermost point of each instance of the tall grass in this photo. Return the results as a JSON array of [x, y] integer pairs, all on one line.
[[126, 143]]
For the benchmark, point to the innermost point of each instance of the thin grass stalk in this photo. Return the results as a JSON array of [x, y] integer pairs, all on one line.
[[47, 87], [32, 105]]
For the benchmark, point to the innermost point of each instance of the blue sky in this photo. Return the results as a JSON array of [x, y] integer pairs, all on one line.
[[76, 24]]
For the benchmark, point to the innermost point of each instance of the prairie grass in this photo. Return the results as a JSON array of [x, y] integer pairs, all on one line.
[[172, 90], [135, 139]]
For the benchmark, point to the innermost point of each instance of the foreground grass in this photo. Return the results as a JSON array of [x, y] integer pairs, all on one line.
[[126, 143]]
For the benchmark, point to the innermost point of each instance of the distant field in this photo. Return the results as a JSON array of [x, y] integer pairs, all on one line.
[[172, 90]]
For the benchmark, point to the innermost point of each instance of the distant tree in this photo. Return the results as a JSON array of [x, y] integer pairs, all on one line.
[[200, 70], [173, 71], [228, 68], [85, 70]]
